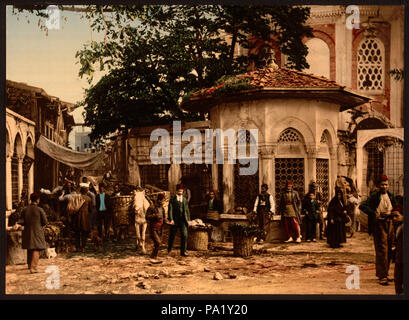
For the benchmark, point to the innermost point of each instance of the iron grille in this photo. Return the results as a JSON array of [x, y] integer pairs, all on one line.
[[245, 188], [323, 178], [155, 174], [291, 169], [385, 156]]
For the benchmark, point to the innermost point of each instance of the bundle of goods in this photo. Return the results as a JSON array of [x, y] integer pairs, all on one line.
[[243, 238], [52, 233]]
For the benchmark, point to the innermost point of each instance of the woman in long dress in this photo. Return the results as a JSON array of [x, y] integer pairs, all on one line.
[[337, 218]]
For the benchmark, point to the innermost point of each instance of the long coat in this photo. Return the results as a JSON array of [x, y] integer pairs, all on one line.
[[296, 202], [336, 232], [173, 215], [34, 219], [82, 218]]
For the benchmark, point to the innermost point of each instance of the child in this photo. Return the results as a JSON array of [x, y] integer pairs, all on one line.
[[310, 208], [155, 216]]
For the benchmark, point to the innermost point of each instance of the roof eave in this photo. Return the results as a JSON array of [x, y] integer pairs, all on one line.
[[347, 99]]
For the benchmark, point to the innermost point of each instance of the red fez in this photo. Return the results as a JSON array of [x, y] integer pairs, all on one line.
[[289, 183], [179, 186], [383, 177]]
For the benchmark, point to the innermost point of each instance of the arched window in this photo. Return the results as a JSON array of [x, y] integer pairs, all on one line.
[[371, 65], [290, 135], [318, 57]]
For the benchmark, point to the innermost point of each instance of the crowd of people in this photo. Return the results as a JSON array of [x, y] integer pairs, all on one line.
[[89, 214]]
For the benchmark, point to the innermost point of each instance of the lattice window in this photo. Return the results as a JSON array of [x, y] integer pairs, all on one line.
[[289, 170], [246, 188], [156, 175], [323, 178], [198, 177], [384, 156], [371, 65], [289, 135]]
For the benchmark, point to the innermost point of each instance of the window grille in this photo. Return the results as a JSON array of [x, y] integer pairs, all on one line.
[[371, 65], [155, 174], [289, 135], [323, 178], [291, 169]]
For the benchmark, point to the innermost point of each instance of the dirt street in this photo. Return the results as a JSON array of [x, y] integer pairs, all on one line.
[[275, 268]]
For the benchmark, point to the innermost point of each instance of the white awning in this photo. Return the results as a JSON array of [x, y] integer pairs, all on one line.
[[75, 159]]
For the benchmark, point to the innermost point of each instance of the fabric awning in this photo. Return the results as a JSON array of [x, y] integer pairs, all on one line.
[[75, 159]]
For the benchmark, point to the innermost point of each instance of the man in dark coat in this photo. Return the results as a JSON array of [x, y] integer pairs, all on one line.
[[34, 218], [379, 208], [310, 208], [313, 188], [178, 216], [290, 207], [264, 207]]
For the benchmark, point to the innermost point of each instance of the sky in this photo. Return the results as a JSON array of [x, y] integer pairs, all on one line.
[[48, 61]]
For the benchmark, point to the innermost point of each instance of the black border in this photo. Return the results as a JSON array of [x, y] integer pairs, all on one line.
[[261, 300]]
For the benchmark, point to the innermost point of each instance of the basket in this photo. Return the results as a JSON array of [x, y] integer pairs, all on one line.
[[121, 206], [197, 240], [242, 245]]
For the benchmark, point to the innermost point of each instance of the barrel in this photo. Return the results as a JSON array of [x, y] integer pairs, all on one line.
[[121, 207]]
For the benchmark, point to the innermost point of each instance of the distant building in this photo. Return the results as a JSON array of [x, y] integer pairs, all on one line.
[[82, 141], [31, 112]]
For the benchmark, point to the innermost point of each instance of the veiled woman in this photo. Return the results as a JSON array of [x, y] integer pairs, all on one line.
[[337, 218]]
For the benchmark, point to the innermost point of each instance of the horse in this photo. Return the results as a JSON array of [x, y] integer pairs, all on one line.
[[139, 207]]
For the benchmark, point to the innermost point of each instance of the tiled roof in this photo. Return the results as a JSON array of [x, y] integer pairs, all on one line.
[[286, 78]]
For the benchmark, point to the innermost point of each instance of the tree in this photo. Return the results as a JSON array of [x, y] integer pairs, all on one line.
[[154, 55]]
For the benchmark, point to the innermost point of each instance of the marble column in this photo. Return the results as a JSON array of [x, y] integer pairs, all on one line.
[[31, 179], [312, 165], [20, 177], [266, 170], [228, 186], [333, 167], [9, 193]]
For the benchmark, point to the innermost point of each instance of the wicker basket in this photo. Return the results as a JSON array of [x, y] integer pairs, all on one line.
[[197, 240], [242, 245]]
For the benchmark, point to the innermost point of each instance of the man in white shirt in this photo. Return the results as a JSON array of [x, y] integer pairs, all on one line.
[[264, 206], [379, 208]]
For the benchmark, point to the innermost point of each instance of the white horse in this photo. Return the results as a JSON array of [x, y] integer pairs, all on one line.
[[139, 206]]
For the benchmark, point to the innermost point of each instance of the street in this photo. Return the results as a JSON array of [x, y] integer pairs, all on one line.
[[274, 268]]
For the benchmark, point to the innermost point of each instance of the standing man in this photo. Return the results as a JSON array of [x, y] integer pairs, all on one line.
[[379, 207], [81, 221], [290, 207], [313, 188], [178, 215], [103, 212], [264, 207], [34, 219]]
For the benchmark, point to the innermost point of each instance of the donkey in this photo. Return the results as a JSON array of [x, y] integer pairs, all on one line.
[[139, 206]]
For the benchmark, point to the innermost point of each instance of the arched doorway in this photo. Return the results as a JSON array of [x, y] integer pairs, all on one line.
[[290, 162], [246, 187], [383, 155]]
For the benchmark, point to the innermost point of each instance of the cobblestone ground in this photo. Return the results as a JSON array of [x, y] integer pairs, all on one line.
[[274, 268]]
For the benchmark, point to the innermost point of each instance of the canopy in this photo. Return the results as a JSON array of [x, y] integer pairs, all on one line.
[[75, 159]]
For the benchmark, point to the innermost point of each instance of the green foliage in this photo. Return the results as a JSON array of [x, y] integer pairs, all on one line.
[[239, 230], [157, 54]]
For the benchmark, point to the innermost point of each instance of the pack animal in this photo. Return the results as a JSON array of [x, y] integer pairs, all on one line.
[[140, 206]]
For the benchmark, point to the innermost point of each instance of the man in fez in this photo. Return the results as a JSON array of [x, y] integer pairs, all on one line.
[[178, 216], [264, 206], [379, 207], [290, 208]]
